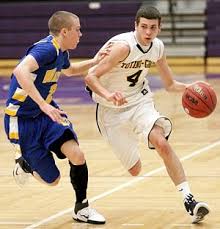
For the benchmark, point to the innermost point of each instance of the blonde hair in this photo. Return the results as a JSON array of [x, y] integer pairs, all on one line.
[[60, 20]]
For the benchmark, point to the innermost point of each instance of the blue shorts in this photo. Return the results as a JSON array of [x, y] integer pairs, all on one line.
[[36, 138]]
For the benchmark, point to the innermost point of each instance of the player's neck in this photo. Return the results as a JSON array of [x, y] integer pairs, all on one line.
[[143, 46], [59, 43]]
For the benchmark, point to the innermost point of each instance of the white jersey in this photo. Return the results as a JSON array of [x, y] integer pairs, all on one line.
[[129, 76]]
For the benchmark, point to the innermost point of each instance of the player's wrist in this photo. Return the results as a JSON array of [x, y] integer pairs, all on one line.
[[94, 61], [42, 103]]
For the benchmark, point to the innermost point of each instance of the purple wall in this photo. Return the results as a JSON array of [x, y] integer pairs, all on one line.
[[213, 28], [21, 24]]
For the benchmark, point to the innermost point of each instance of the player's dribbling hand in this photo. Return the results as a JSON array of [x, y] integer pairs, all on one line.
[[54, 113], [201, 81], [117, 98]]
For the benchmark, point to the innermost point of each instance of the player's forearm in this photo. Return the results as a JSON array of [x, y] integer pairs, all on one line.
[[176, 87], [25, 81], [81, 67], [94, 84]]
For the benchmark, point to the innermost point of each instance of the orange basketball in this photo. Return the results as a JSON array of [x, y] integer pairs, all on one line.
[[199, 100]]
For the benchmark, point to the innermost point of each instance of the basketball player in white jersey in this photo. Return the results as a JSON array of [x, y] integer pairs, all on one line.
[[125, 104]]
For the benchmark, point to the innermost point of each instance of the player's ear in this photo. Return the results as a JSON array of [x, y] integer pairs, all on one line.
[[159, 30], [135, 24], [64, 31]]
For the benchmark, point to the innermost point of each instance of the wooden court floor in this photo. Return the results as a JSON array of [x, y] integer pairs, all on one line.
[[149, 201]]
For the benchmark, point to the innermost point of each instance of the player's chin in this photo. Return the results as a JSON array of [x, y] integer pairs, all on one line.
[[73, 46], [147, 41]]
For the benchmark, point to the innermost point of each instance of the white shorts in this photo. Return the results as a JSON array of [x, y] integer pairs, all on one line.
[[121, 127]]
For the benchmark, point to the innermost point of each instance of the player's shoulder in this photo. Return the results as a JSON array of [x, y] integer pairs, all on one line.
[[122, 35], [122, 40], [48, 43]]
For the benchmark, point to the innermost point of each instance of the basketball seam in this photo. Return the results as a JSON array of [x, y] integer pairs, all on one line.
[[193, 108], [200, 100]]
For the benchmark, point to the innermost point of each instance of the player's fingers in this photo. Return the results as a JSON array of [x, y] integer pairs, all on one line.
[[120, 98], [117, 98], [124, 101], [61, 111], [52, 116], [56, 116]]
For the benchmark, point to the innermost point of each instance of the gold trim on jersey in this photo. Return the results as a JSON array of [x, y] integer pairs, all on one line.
[[13, 128], [17, 149], [51, 76], [20, 95], [12, 109], [56, 45], [53, 88]]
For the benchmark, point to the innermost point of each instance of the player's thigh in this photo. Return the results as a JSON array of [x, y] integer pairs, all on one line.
[[47, 169], [146, 117], [41, 161], [123, 141], [58, 133], [29, 136]]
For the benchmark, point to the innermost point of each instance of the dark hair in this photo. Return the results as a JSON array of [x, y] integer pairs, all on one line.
[[148, 12], [60, 20]]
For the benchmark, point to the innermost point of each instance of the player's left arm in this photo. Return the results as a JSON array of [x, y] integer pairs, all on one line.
[[166, 75], [84, 66]]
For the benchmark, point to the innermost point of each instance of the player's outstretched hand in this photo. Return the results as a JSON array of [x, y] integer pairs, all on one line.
[[54, 113], [102, 53], [117, 98]]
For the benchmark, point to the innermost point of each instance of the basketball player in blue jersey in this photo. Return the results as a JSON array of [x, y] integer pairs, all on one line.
[[33, 121], [125, 103]]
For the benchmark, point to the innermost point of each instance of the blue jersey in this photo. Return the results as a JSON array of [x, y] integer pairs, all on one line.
[[51, 61]]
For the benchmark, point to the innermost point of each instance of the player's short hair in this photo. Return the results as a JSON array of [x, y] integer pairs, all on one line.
[[60, 20], [148, 12]]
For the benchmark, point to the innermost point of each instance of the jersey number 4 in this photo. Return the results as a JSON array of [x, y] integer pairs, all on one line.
[[133, 79]]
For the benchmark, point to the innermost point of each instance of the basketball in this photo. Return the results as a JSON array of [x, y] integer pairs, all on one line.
[[199, 100]]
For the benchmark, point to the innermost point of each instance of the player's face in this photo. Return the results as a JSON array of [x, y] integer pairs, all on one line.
[[73, 35], [147, 30]]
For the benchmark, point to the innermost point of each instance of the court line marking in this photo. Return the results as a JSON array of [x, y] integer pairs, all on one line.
[[182, 225], [129, 183], [14, 223]]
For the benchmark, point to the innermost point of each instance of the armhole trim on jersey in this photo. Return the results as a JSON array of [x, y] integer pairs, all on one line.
[[97, 121]]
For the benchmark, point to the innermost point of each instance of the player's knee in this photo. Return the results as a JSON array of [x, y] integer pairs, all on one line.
[[134, 172], [77, 156], [72, 151], [163, 147], [79, 159], [136, 169], [54, 183], [48, 181]]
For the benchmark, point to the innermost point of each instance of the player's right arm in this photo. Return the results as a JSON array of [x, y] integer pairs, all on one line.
[[23, 74], [119, 51]]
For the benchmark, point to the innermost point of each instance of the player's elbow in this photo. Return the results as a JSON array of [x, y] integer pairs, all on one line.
[[88, 79], [170, 87], [18, 70]]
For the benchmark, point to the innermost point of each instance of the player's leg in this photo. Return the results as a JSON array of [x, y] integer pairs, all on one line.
[[115, 127], [156, 130], [43, 169], [171, 161], [197, 210], [66, 146], [22, 170], [24, 135]]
